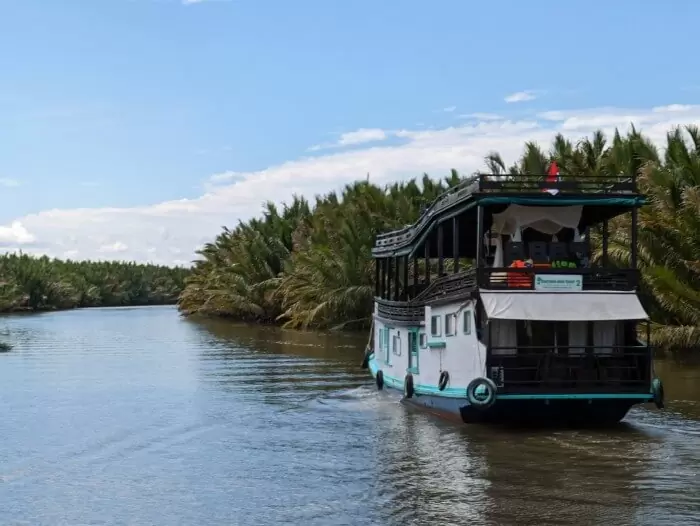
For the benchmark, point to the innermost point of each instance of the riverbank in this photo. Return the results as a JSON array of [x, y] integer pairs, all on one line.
[[39, 284], [309, 265]]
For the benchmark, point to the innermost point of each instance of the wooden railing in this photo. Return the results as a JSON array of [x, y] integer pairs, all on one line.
[[449, 286], [445, 200], [446, 288], [400, 311]]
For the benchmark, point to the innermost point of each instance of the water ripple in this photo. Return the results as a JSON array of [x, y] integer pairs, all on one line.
[[136, 416]]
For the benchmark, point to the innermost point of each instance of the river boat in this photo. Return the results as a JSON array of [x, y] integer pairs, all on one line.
[[492, 307]]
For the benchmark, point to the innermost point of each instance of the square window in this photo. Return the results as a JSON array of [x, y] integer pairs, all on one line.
[[467, 322], [397, 346], [435, 329], [423, 340], [450, 324]]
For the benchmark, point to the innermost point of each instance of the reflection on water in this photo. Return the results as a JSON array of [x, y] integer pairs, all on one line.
[[134, 416]]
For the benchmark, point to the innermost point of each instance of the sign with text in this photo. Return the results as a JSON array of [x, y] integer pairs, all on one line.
[[558, 282]]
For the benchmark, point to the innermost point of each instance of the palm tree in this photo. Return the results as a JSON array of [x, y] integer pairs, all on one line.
[[310, 266]]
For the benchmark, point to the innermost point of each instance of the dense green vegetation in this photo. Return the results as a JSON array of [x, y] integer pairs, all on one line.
[[30, 283], [309, 265]]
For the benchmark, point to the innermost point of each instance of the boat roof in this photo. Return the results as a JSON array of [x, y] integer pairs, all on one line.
[[602, 197]]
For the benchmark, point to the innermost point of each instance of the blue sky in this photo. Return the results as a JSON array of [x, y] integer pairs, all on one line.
[[131, 103]]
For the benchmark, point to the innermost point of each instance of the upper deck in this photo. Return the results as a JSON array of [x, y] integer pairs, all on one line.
[[513, 233], [602, 197]]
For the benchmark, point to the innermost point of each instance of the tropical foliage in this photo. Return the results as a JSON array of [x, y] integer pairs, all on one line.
[[30, 283], [310, 266]]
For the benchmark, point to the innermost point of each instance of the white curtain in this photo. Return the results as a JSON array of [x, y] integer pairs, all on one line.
[[604, 333], [498, 256], [503, 334], [545, 219], [577, 336]]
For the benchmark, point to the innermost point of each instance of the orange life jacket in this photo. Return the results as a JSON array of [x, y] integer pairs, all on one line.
[[519, 279]]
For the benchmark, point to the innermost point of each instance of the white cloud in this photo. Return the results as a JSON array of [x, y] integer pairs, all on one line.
[[449, 109], [194, 2], [15, 235], [481, 116], [9, 183], [113, 248], [361, 136], [170, 232], [520, 96]]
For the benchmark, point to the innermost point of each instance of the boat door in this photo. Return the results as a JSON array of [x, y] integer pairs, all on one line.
[[413, 351]]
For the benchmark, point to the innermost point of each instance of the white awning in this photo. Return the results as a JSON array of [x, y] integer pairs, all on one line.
[[562, 306]]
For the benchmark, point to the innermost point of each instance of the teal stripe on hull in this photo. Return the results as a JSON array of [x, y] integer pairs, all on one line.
[[460, 392], [577, 396]]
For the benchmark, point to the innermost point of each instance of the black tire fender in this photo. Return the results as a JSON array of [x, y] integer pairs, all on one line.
[[380, 380], [657, 389], [487, 395], [444, 380], [365, 359], [408, 390]]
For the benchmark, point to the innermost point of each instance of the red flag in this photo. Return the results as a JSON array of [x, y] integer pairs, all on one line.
[[552, 177]]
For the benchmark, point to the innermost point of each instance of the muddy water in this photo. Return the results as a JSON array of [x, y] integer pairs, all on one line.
[[134, 416]]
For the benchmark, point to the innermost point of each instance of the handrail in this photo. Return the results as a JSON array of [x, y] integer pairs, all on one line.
[[433, 206], [443, 282]]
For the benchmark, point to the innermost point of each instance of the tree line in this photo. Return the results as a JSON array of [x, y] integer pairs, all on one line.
[[309, 265], [30, 283]]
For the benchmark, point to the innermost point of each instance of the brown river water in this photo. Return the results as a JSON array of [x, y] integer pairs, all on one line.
[[134, 416]]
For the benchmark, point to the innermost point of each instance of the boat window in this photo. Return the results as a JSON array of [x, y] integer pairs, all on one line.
[[397, 345], [450, 324], [435, 329], [423, 340], [467, 322]]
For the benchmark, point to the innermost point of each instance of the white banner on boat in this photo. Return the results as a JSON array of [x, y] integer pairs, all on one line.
[[558, 282]]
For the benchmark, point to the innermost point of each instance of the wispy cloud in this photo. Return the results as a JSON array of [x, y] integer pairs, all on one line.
[[113, 248], [520, 96], [169, 232], [361, 136], [193, 2], [9, 183], [481, 116], [449, 109]]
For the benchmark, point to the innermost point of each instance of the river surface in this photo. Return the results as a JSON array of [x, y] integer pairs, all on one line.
[[134, 416]]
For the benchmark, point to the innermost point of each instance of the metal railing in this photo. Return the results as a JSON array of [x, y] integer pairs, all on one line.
[[588, 369], [595, 278], [582, 184]]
